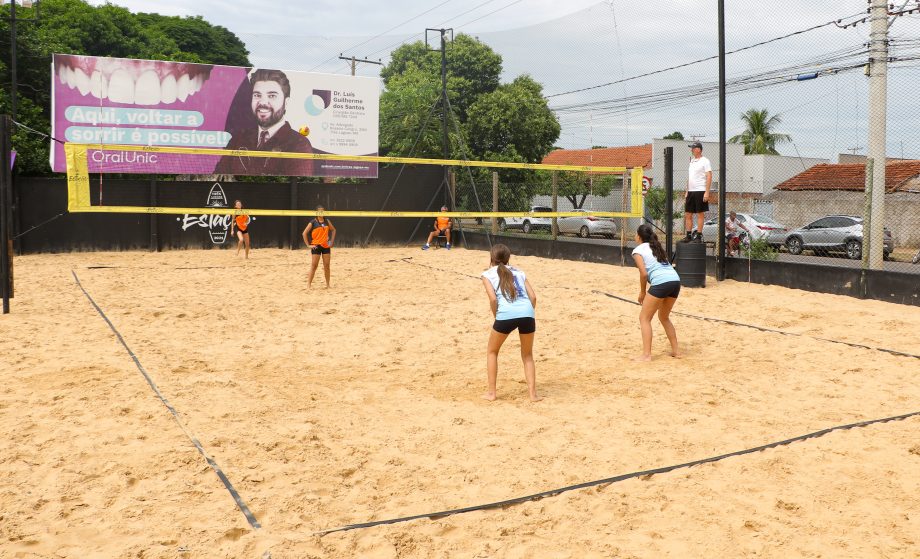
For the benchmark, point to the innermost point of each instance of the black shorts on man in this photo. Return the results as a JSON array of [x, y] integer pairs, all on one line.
[[695, 203], [320, 250]]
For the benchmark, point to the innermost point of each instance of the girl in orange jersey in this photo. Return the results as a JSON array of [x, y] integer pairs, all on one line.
[[241, 224], [319, 236]]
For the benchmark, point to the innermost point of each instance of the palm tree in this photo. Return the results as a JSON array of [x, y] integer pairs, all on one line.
[[760, 138]]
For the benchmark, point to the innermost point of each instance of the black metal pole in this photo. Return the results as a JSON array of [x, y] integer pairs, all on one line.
[[6, 126], [723, 167], [154, 236], [293, 226], [669, 200], [13, 59], [444, 108]]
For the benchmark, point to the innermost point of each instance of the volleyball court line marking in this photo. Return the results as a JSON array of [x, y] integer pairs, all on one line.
[[614, 479], [220, 473], [698, 317], [771, 330]]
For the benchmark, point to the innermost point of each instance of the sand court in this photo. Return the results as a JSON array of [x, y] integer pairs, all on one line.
[[361, 402]]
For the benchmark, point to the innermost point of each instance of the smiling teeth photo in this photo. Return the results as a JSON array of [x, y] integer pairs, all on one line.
[[138, 82]]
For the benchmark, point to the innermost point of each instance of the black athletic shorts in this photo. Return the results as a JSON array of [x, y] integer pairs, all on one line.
[[525, 325], [695, 204], [669, 289], [441, 232], [320, 250]]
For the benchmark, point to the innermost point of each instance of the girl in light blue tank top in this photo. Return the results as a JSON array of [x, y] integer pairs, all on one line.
[[512, 301], [656, 271]]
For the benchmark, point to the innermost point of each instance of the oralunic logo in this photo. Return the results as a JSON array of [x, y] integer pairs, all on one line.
[[217, 225]]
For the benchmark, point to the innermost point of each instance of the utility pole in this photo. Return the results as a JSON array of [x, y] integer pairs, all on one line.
[[354, 62], [873, 231]]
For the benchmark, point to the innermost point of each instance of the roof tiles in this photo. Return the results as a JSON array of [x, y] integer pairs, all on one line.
[[829, 176]]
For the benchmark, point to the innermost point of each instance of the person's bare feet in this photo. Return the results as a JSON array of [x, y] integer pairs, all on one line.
[[677, 355], [535, 398], [643, 358], [490, 396]]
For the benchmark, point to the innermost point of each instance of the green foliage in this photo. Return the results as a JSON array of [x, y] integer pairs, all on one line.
[[674, 136], [513, 119], [655, 204], [759, 136], [76, 27], [489, 120], [576, 187], [760, 249]]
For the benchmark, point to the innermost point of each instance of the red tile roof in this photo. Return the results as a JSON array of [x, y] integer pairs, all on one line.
[[829, 176], [628, 156]]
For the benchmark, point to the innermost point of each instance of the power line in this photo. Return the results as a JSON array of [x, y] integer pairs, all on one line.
[[442, 24], [686, 64], [491, 13], [413, 18]]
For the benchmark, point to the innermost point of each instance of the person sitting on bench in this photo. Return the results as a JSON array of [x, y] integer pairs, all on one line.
[[442, 225]]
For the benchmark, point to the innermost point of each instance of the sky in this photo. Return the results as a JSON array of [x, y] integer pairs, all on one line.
[[582, 43]]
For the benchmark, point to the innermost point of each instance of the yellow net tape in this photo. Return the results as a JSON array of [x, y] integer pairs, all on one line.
[[78, 197]]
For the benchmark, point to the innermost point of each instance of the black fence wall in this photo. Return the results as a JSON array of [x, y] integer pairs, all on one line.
[[40, 199], [893, 287]]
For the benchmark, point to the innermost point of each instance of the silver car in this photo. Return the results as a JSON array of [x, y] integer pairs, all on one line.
[[759, 227], [833, 233], [587, 225]]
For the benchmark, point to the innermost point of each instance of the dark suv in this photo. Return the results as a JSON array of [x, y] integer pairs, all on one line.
[[833, 233]]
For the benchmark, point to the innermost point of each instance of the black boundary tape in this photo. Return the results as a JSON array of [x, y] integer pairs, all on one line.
[[706, 318], [553, 492], [771, 330], [220, 473]]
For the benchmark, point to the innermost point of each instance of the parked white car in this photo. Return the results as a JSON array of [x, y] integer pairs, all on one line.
[[587, 225], [759, 226], [528, 223]]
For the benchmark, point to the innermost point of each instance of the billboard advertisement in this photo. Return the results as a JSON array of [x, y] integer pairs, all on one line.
[[155, 103]]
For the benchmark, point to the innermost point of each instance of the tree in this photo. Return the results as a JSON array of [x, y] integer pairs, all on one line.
[[655, 204], [509, 121], [488, 121], [760, 136], [674, 136], [576, 187], [76, 27]]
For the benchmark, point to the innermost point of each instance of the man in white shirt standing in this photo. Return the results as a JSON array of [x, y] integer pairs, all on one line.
[[696, 198]]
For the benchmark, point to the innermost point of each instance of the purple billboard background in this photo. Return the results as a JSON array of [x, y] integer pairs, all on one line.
[[144, 102]]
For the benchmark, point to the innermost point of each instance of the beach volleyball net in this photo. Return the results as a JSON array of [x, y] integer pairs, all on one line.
[[507, 193]]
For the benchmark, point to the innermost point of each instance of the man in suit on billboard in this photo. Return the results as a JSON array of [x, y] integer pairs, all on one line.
[[271, 91]]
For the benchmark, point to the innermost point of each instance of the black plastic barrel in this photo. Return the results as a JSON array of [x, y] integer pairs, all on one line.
[[690, 261]]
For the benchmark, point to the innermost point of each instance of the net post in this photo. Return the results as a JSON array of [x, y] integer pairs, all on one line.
[[293, 225], [154, 237], [494, 201], [77, 177], [6, 179], [669, 200], [555, 204], [623, 221]]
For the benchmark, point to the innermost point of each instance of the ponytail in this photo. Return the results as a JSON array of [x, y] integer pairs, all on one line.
[[500, 255], [506, 283], [647, 235]]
